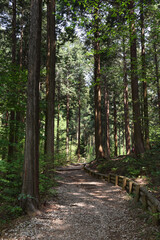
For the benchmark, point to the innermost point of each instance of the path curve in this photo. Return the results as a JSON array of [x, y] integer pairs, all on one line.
[[86, 209]]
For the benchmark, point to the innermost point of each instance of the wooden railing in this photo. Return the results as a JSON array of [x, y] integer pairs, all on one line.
[[140, 193]]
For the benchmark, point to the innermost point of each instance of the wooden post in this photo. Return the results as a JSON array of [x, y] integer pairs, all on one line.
[[109, 178], [144, 201], [130, 187], [124, 184], [137, 193], [116, 180]]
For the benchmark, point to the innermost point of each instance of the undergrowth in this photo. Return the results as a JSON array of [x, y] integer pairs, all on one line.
[[145, 167], [11, 186]]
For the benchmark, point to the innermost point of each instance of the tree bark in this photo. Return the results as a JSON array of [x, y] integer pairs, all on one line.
[[138, 140], [145, 96], [5, 134], [17, 127], [119, 138], [30, 188], [115, 126], [67, 128], [107, 145], [14, 31], [11, 136], [123, 144], [157, 77], [47, 72], [126, 109], [21, 47], [19, 114], [58, 118], [97, 90], [51, 85], [12, 113], [79, 123]]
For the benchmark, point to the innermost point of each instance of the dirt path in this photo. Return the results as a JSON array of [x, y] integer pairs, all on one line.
[[86, 209]]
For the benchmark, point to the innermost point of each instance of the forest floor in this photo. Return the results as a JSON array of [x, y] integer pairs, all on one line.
[[85, 208], [143, 170]]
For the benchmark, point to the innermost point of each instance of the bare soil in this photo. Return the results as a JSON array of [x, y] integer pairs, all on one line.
[[85, 209]]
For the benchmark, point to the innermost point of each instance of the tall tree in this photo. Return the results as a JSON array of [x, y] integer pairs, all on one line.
[[138, 140], [30, 188], [47, 72], [145, 95], [157, 73], [12, 113], [51, 82], [115, 126], [79, 121], [67, 119], [107, 145], [58, 117], [97, 88], [126, 109]]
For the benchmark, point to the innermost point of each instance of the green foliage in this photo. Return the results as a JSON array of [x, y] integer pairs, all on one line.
[[52, 192], [60, 159], [133, 172], [13, 81], [157, 237], [74, 74], [128, 166], [90, 153], [10, 188], [15, 211], [146, 168], [23, 196], [9, 212], [45, 184]]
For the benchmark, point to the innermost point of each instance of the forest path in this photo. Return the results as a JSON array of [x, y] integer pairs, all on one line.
[[85, 209]]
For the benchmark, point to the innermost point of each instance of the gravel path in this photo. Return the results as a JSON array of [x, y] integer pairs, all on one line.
[[86, 209]]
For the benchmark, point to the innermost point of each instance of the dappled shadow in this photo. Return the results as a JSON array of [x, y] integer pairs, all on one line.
[[98, 190], [85, 208]]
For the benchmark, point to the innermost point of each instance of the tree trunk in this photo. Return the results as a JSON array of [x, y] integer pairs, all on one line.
[[119, 138], [145, 97], [3, 146], [30, 188], [107, 145], [67, 129], [79, 124], [123, 144], [47, 72], [14, 31], [51, 86], [138, 140], [126, 109], [21, 47], [58, 118], [17, 128], [11, 136], [97, 89], [19, 114], [5, 134], [12, 113], [157, 77], [115, 126]]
